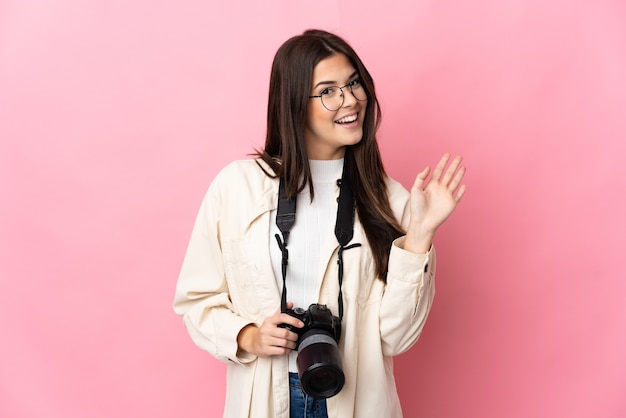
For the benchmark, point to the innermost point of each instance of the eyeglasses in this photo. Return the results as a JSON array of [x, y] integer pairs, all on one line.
[[332, 97]]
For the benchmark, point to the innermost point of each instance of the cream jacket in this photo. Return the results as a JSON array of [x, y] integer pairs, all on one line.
[[227, 282]]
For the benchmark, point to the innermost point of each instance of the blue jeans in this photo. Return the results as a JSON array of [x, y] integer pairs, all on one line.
[[302, 405]]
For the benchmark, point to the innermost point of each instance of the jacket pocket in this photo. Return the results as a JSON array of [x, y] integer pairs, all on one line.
[[240, 276], [359, 277]]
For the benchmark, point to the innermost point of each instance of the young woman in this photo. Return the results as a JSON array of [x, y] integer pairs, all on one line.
[[321, 141]]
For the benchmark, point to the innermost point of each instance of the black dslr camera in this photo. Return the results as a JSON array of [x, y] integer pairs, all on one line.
[[319, 361]]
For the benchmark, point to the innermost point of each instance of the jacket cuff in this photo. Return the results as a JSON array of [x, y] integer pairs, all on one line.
[[407, 266], [233, 353]]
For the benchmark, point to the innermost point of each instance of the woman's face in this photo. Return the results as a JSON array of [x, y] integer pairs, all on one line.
[[327, 132]]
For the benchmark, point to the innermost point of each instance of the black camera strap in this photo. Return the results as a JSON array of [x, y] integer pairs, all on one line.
[[344, 230]]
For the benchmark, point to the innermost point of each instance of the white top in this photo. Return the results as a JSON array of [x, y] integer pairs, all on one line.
[[315, 223]]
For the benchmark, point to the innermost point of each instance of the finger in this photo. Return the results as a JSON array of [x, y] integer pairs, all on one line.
[[275, 350], [283, 333], [460, 194], [290, 345], [420, 179], [288, 305], [457, 179], [278, 337], [291, 338], [440, 166], [451, 170], [282, 342], [290, 320], [275, 319]]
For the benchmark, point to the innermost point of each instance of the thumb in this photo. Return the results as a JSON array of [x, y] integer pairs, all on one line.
[[421, 178], [289, 306]]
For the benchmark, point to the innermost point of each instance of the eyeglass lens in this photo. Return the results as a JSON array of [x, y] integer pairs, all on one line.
[[332, 97]]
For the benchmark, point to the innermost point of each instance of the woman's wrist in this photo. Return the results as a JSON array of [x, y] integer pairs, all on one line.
[[246, 337], [418, 240]]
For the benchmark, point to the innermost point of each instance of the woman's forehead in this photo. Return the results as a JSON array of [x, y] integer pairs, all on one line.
[[334, 69]]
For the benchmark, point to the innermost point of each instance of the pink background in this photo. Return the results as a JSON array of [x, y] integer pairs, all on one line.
[[116, 115]]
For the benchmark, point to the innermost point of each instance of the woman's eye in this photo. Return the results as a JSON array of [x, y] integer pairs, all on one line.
[[355, 83], [329, 91]]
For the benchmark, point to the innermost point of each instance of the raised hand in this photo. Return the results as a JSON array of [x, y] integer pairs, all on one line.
[[433, 201]]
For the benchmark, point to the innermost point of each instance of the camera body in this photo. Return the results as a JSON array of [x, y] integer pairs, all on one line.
[[317, 317], [319, 361]]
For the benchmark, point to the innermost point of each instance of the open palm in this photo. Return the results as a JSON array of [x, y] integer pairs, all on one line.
[[433, 201]]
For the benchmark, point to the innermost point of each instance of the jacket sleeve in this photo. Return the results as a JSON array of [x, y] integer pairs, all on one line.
[[202, 296], [410, 287], [407, 299]]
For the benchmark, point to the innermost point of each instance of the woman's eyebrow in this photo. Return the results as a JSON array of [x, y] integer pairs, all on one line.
[[332, 82]]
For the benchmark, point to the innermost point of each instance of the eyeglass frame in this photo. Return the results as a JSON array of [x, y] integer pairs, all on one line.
[[343, 96]]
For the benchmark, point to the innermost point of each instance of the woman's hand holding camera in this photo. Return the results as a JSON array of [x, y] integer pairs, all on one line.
[[269, 339]]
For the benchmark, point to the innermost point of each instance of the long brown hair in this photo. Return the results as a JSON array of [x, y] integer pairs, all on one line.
[[285, 150]]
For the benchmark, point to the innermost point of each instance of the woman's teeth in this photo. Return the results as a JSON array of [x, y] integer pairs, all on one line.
[[347, 119]]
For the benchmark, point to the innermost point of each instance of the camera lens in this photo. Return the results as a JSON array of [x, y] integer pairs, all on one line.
[[325, 381], [319, 364]]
